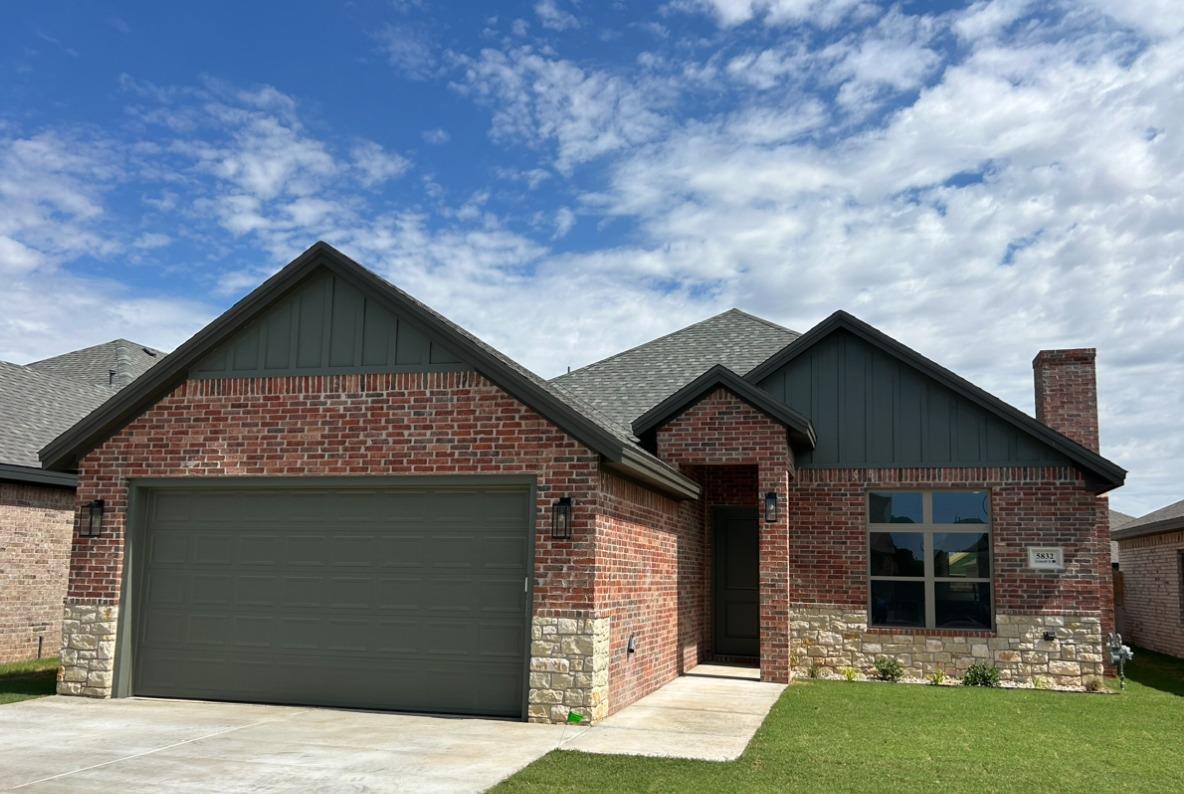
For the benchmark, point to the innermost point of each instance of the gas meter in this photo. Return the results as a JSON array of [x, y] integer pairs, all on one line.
[[1119, 655]]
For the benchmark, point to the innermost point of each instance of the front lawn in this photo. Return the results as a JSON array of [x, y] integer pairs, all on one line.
[[838, 736], [24, 680]]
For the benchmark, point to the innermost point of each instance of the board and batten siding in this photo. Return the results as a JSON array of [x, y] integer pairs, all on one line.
[[327, 326], [871, 409]]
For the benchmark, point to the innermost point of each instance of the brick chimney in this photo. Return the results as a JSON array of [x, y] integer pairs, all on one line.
[[1067, 393]]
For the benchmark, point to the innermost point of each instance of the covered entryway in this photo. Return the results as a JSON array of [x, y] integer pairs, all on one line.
[[394, 596]]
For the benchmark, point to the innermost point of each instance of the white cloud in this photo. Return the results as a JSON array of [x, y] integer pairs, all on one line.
[[410, 50], [437, 136], [564, 220], [374, 165], [552, 17], [543, 100], [730, 13]]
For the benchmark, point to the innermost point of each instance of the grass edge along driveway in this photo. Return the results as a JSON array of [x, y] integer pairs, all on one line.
[[840, 736], [25, 680]]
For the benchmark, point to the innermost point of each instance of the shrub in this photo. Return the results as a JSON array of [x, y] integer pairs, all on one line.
[[1093, 685], [849, 673], [981, 674], [888, 669], [815, 671], [937, 677]]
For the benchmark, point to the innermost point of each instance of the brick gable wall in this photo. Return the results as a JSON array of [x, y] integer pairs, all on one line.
[[1152, 611], [35, 522], [723, 430], [345, 425]]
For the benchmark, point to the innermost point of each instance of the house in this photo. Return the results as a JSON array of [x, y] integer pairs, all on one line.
[[333, 495], [1117, 520], [1151, 559], [38, 402]]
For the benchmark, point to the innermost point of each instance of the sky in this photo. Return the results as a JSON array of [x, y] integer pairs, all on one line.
[[568, 179]]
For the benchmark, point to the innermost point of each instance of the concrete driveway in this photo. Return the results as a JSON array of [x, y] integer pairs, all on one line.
[[60, 744]]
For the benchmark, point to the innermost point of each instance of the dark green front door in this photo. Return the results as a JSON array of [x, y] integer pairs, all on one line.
[[737, 582], [408, 598]]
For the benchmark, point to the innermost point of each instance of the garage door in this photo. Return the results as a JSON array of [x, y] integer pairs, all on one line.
[[392, 598]]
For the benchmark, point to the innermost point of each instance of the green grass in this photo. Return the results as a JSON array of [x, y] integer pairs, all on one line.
[[840, 736], [24, 680]]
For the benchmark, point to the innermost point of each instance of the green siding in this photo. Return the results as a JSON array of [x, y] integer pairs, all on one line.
[[326, 325], [871, 409]]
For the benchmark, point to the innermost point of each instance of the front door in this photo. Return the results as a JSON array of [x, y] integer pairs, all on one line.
[[737, 582]]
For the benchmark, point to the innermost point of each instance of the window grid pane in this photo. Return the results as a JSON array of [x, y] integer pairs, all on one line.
[[950, 601]]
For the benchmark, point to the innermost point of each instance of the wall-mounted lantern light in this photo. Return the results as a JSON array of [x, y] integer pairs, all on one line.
[[561, 519], [771, 507], [92, 521]]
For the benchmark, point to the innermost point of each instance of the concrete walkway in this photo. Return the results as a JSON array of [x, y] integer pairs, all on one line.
[[709, 714], [58, 744]]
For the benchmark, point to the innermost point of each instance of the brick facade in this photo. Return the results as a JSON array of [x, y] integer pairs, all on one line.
[[1029, 506], [35, 523], [346, 425], [1067, 393], [1152, 611], [723, 430]]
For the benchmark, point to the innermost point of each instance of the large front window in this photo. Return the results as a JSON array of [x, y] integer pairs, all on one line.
[[929, 558]]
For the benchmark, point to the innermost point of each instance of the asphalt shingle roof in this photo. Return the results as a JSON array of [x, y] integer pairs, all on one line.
[[1117, 520], [624, 386], [95, 365], [35, 407], [1165, 519]]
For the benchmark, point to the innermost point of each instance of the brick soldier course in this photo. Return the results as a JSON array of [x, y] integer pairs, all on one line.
[[645, 445]]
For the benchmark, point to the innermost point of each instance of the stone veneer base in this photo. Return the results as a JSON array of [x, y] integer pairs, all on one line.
[[568, 668], [830, 639], [88, 650]]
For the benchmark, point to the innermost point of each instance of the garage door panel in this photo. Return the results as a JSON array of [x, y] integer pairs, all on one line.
[[383, 598]]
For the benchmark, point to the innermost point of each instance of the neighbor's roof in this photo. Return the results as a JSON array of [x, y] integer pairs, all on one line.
[[625, 386], [1165, 519], [102, 365], [39, 401], [585, 423], [34, 408]]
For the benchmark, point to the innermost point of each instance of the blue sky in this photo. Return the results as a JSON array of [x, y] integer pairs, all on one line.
[[566, 179]]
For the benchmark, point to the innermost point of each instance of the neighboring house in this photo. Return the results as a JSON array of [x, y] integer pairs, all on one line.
[[1151, 560], [38, 402], [333, 495], [1117, 520]]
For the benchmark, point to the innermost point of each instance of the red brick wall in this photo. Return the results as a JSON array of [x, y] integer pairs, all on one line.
[[1067, 393], [1045, 506], [722, 429], [35, 523], [1153, 606], [377, 424], [649, 552]]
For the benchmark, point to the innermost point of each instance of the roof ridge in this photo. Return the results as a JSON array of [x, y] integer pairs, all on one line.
[[675, 332], [766, 321], [57, 381], [108, 343]]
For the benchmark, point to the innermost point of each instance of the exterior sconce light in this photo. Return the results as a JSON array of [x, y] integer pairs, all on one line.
[[771, 508], [561, 519], [92, 526]]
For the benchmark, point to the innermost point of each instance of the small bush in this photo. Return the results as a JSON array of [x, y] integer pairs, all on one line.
[[815, 671], [981, 674], [937, 677], [888, 669], [849, 673], [1093, 685]]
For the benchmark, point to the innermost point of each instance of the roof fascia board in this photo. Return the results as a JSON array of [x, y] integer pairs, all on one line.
[[654, 472], [1110, 475], [1151, 528], [28, 474], [720, 376]]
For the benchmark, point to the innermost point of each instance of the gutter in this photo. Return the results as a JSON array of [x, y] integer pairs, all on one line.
[[37, 476]]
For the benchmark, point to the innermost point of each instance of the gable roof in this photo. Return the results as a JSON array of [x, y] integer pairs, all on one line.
[[1165, 519], [801, 432], [36, 407], [626, 385], [115, 363], [582, 422], [1106, 473]]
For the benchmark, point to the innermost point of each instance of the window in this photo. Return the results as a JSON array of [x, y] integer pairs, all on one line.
[[929, 559]]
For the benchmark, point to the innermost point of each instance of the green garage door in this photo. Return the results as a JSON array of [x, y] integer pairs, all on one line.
[[392, 598]]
